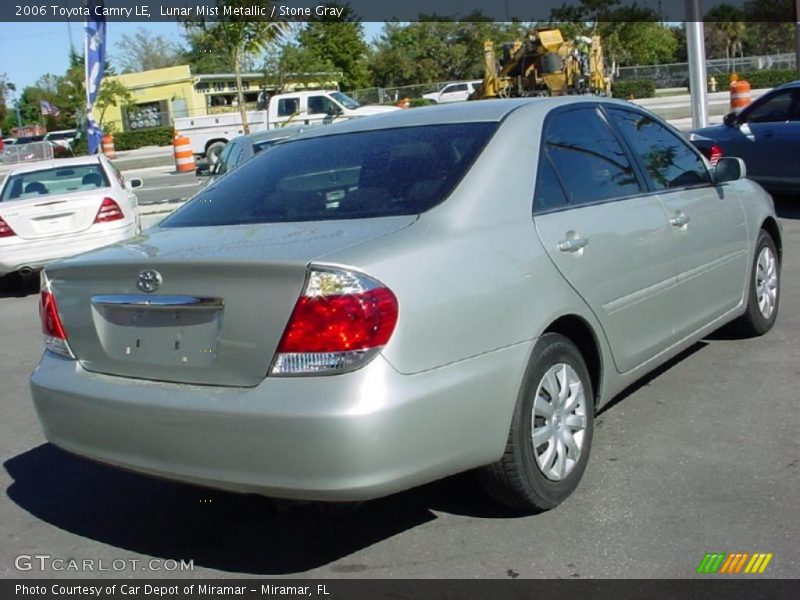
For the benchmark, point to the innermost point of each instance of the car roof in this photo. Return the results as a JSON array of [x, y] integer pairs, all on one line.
[[789, 86], [480, 111], [271, 134], [41, 165]]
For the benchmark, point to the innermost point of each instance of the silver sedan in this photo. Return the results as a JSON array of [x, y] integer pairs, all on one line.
[[380, 303]]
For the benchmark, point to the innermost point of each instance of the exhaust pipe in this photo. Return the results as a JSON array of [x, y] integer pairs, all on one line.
[[25, 271]]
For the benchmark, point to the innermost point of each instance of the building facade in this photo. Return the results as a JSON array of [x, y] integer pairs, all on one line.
[[161, 95]]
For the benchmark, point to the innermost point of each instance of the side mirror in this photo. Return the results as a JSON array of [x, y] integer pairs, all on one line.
[[731, 119], [334, 110], [729, 169], [134, 183]]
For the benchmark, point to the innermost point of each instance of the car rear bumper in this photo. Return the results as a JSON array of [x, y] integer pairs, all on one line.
[[348, 437], [16, 254]]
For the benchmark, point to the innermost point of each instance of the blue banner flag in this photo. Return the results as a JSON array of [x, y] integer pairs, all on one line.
[[95, 58]]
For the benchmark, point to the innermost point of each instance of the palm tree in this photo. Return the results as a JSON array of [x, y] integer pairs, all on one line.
[[241, 38], [727, 24]]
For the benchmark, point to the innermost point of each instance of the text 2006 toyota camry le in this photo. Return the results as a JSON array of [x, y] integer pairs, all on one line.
[[385, 302]]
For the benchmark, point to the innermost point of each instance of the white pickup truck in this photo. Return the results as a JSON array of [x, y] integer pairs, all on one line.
[[208, 134]]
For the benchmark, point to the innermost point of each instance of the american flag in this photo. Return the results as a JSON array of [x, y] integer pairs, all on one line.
[[49, 110]]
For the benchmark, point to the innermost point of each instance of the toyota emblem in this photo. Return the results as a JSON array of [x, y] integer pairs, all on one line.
[[149, 281]]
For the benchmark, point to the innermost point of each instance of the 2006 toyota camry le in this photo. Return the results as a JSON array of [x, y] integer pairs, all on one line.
[[383, 302]]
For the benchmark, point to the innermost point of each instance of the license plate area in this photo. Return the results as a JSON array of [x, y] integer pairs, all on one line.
[[180, 335]]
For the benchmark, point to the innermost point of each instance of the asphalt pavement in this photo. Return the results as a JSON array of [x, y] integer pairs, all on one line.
[[702, 456]]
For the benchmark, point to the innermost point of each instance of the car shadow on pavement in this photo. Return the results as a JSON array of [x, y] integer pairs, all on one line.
[[645, 381], [219, 530], [15, 286]]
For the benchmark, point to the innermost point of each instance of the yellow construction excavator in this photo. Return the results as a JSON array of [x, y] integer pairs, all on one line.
[[544, 64]]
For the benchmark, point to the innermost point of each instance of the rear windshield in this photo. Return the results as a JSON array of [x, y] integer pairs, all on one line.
[[64, 180], [356, 175]]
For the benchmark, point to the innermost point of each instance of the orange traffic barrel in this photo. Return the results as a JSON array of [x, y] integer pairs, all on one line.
[[184, 158], [108, 146], [740, 94], [404, 103]]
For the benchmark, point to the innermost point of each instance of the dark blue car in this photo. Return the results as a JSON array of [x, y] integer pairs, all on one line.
[[766, 134]]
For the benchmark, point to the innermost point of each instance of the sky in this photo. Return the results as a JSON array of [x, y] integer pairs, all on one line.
[[30, 50]]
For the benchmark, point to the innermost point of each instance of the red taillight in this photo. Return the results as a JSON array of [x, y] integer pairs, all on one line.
[[109, 211], [341, 323], [342, 319], [5, 230], [51, 322], [715, 154]]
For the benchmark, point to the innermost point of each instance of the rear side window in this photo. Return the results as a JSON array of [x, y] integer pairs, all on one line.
[[346, 176], [588, 158], [549, 194], [668, 160], [288, 107]]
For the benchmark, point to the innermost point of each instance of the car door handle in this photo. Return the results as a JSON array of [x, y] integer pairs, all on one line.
[[680, 220], [572, 244]]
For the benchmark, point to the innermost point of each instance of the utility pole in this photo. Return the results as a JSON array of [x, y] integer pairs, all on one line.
[[797, 36], [19, 113], [696, 46]]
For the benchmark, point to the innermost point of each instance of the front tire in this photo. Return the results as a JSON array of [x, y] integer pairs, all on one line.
[[551, 431], [764, 293]]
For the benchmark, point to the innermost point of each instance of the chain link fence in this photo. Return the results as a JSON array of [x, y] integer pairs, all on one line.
[[15, 154], [393, 95], [677, 75]]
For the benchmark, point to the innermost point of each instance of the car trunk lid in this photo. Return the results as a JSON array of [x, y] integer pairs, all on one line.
[[222, 299], [42, 217]]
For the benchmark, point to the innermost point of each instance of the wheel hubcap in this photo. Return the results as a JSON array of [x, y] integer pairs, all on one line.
[[558, 422], [766, 282]]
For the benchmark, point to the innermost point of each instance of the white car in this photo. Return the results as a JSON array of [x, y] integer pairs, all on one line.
[[64, 138], [58, 208], [454, 92]]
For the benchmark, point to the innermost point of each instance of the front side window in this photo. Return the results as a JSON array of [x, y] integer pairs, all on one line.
[[115, 172], [64, 180], [668, 160], [319, 105], [228, 158], [776, 109], [588, 158], [357, 175]]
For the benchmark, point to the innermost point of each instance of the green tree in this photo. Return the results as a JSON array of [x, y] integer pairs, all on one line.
[[143, 51], [238, 37], [6, 88], [770, 27], [436, 49], [337, 42], [631, 35], [291, 63], [112, 93], [725, 30]]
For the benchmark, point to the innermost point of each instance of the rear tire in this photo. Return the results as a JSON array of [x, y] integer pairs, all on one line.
[[551, 431], [764, 293]]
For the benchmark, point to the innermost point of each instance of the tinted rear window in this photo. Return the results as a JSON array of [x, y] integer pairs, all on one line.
[[347, 176], [63, 180]]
